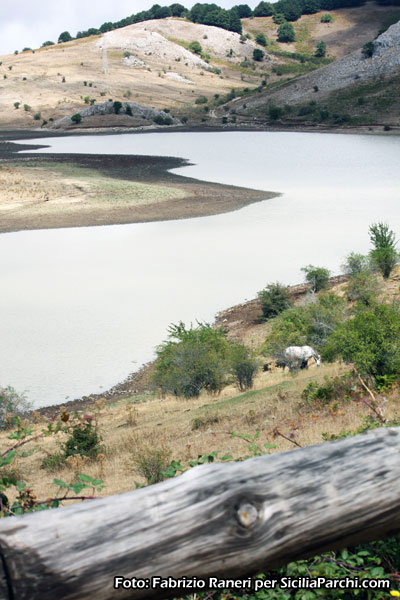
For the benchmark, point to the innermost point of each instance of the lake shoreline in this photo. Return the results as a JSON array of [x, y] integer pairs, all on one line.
[[235, 320], [190, 197]]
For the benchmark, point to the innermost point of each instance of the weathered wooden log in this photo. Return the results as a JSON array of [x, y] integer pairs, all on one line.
[[226, 520]]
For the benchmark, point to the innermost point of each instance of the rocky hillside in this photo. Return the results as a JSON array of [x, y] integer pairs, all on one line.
[[360, 87], [190, 70]]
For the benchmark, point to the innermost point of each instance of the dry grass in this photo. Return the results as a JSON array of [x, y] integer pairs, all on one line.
[[133, 427], [50, 188]]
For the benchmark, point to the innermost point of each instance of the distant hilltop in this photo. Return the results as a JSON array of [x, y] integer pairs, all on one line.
[[278, 64]]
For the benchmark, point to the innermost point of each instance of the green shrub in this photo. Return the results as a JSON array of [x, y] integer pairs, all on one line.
[[258, 55], [371, 341], [368, 50], [53, 462], [326, 18], [243, 366], [17, 104], [261, 39], [195, 47], [76, 118], [203, 422], [151, 462], [275, 112], [160, 120], [274, 299], [117, 105], [279, 18], [356, 263], [201, 100], [363, 288], [128, 110], [27, 107], [286, 33], [320, 49], [318, 395], [37, 116], [311, 324], [317, 277], [84, 440]]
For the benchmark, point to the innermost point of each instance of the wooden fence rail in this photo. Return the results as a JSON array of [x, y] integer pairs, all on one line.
[[226, 520]]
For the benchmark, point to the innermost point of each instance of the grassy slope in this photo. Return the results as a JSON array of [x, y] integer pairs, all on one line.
[[51, 81], [183, 429]]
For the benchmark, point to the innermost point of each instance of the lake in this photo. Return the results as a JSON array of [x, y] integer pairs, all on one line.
[[82, 308]]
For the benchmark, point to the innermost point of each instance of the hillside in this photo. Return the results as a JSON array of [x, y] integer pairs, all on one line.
[[356, 89], [151, 64]]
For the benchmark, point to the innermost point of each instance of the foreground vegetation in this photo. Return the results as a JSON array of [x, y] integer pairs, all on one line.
[[143, 439]]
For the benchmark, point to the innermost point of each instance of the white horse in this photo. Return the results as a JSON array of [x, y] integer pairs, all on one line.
[[300, 355]]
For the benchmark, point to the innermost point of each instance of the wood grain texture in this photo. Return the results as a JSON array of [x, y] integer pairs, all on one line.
[[228, 520]]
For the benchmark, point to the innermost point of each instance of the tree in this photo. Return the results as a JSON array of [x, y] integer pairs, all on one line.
[[195, 47], [310, 7], [76, 118], [274, 299], [356, 263], [244, 11], [258, 54], [384, 256], [261, 39], [286, 33], [65, 36], [317, 277], [371, 341], [192, 360], [243, 366], [48, 43], [320, 49], [264, 9], [177, 10]]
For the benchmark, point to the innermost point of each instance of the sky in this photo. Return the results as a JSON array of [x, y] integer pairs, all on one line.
[[29, 24]]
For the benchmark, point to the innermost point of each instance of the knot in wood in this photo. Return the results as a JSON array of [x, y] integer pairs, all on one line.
[[247, 514]]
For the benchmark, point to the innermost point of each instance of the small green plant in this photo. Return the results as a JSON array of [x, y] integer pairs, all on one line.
[[201, 100], [84, 440], [37, 116], [318, 395], [326, 18], [320, 49], [151, 463], [128, 110], [63, 79], [117, 105], [85, 83], [261, 39], [17, 105], [27, 107], [76, 118], [86, 99]]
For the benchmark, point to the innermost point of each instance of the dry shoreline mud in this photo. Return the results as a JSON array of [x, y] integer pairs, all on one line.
[[185, 197]]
